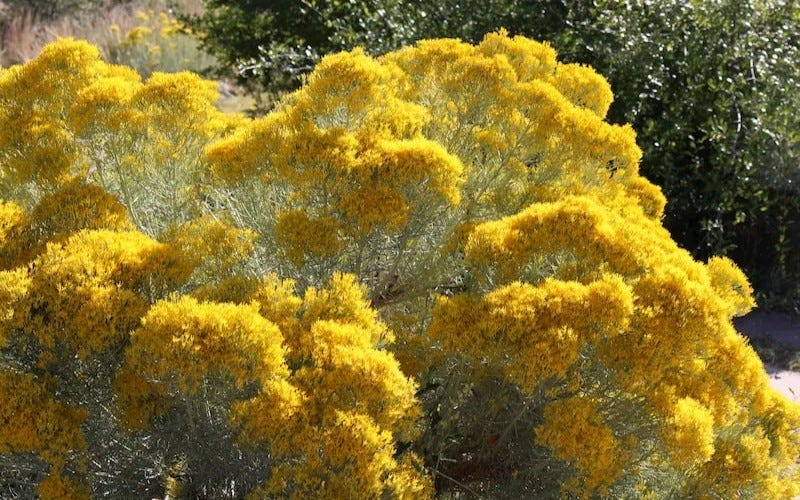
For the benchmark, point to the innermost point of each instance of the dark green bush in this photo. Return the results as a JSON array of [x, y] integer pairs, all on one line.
[[270, 44]]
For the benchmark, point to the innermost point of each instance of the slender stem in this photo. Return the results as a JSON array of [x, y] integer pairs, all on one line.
[[457, 482]]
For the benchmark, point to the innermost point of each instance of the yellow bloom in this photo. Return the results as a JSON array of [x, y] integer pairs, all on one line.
[[581, 85], [577, 434], [691, 433], [214, 248], [91, 290], [533, 332], [31, 421], [301, 236], [731, 284], [56, 486], [137, 34], [183, 344], [531, 60]]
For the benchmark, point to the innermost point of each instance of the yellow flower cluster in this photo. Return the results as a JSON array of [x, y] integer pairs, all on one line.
[[330, 416], [691, 433], [333, 339], [32, 421], [343, 158], [533, 332], [582, 86], [12, 219], [217, 250], [35, 145], [525, 126], [86, 293], [67, 113], [74, 206], [181, 344], [576, 432]]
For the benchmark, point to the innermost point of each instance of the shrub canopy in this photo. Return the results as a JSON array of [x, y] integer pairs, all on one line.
[[436, 269]]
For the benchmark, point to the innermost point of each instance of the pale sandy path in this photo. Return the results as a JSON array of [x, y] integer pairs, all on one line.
[[785, 381], [784, 331]]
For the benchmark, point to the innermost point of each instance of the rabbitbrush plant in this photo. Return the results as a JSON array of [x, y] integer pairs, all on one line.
[[437, 270]]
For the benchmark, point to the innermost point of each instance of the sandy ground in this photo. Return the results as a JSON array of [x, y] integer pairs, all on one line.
[[784, 331], [785, 381]]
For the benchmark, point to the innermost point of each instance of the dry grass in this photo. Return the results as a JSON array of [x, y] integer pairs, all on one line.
[[18, 41], [23, 35]]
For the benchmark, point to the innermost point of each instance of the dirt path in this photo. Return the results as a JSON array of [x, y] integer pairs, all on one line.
[[782, 333], [787, 382]]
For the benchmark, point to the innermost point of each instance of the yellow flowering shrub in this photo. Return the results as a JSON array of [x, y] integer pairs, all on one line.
[[35, 145], [566, 314], [216, 250], [34, 422], [557, 286], [119, 370], [12, 219], [347, 164], [215, 306], [74, 206], [577, 434], [92, 289], [67, 113], [327, 405], [217, 383], [157, 42]]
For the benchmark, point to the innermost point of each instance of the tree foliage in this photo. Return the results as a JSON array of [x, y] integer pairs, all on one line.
[[435, 270], [271, 44]]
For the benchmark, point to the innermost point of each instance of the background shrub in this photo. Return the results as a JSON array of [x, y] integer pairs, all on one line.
[[51, 9], [143, 34]]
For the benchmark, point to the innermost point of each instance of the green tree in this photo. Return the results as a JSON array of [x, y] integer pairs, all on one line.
[[270, 43]]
